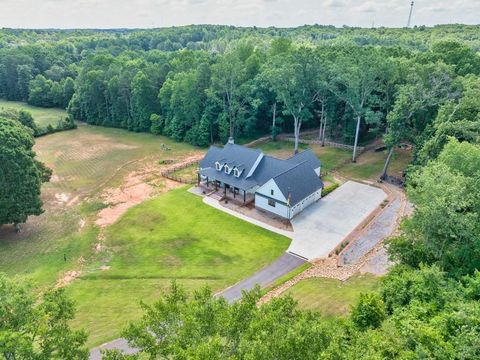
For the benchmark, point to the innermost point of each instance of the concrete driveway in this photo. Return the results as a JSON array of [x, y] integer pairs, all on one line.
[[324, 225]]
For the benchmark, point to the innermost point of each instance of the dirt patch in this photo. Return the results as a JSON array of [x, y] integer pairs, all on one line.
[[67, 278], [137, 187]]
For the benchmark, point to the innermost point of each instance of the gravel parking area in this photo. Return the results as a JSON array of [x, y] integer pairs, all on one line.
[[379, 229]]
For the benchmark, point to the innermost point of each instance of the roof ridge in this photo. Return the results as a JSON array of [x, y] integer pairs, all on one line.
[[293, 167], [301, 152]]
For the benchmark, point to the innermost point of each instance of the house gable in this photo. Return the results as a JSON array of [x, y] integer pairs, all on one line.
[[271, 190]]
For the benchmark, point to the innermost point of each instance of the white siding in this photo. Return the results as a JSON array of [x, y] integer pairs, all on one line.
[[279, 208], [266, 189], [317, 171], [261, 202]]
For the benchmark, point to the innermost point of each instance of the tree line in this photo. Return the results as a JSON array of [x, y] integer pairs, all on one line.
[[221, 81]]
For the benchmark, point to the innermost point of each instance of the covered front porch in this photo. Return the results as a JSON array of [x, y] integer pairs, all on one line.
[[225, 191]]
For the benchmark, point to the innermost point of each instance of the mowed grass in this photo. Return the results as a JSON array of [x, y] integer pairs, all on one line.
[[329, 296], [331, 157], [369, 165], [42, 116], [85, 162], [174, 236]]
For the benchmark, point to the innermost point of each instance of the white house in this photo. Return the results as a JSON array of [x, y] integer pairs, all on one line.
[[282, 187]]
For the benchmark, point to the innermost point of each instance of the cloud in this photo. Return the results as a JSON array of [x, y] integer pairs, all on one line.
[[282, 13], [334, 3]]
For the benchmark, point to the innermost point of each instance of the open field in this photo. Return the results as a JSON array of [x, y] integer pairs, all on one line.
[[169, 237], [330, 296], [369, 165], [85, 162], [42, 116]]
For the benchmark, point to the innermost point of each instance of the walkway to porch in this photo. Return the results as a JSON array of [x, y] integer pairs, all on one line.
[[247, 212]]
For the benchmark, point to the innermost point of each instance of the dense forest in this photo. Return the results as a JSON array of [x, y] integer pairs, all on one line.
[[202, 84]]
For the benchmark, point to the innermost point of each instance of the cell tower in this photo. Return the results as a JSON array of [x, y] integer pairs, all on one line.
[[410, 15]]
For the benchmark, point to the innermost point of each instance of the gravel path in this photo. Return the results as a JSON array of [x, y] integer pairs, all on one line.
[[378, 230]]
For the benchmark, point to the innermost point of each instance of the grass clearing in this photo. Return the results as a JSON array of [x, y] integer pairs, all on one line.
[[369, 165], [42, 116], [330, 296], [173, 236], [85, 161]]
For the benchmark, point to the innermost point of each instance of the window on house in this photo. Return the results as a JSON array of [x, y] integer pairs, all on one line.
[[271, 192], [218, 166], [235, 172], [271, 202], [227, 169]]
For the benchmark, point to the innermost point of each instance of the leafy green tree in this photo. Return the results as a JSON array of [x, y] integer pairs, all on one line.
[[356, 75], [32, 329], [417, 103], [369, 312], [456, 118], [68, 91], [206, 327], [463, 58], [229, 84], [293, 79], [25, 75], [144, 103], [445, 226], [40, 92], [20, 174]]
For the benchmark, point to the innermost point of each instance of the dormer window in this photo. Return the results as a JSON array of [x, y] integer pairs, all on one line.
[[236, 172], [227, 169], [218, 166]]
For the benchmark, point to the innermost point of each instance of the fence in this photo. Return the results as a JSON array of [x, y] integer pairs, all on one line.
[[170, 173], [360, 149]]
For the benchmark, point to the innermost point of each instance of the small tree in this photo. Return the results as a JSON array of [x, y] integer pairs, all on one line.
[[369, 312], [32, 329]]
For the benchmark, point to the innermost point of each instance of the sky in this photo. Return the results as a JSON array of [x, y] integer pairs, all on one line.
[[262, 13]]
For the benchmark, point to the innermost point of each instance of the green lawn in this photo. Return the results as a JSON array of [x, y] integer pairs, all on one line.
[[174, 236], [85, 161], [369, 165], [329, 296], [42, 116]]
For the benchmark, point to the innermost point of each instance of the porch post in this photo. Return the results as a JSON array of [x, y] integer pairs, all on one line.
[[207, 181], [244, 196], [234, 192]]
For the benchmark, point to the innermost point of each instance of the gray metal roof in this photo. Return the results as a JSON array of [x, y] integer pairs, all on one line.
[[298, 182], [308, 156]]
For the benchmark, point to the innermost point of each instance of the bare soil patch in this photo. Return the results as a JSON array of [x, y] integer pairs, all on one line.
[[137, 187], [133, 191]]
